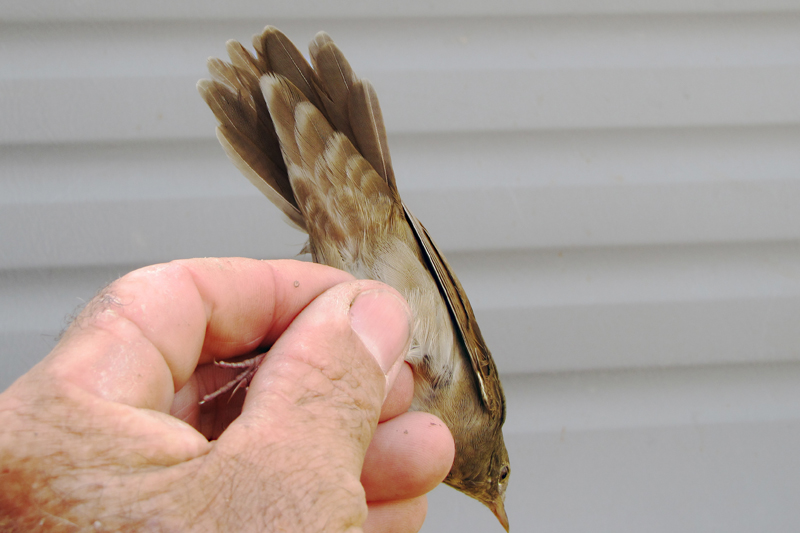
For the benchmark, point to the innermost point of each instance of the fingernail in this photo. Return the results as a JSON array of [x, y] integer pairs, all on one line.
[[383, 323]]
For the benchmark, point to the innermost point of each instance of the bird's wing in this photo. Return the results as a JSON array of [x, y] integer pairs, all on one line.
[[464, 318]]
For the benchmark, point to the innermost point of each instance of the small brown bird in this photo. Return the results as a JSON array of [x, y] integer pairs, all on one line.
[[313, 141]]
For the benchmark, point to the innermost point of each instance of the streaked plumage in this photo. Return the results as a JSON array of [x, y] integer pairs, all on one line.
[[313, 141]]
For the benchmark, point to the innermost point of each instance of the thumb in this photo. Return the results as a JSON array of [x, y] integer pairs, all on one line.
[[313, 406]]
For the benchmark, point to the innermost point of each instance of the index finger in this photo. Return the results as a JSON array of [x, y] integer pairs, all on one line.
[[143, 336]]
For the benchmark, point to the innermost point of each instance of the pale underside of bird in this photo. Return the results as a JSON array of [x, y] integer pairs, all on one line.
[[312, 140]]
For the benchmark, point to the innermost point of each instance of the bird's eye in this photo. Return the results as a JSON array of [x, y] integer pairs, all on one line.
[[504, 473]]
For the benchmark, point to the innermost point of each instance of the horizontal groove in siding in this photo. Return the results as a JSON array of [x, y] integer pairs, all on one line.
[[117, 172], [87, 82], [636, 275], [474, 192], [533, 280], [85, 233], [697, 478], [653, 397], [637, 307], [89, 50], [19, 10], [559, 311], [86, 110], [424, 163], [637, 335]]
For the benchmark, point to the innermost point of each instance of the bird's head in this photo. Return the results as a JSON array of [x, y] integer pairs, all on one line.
[[488, 483]]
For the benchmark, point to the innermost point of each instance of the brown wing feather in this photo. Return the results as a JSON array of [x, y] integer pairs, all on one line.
[[336, 78], [464, 318], [365, 111], [352, 106], [285, 59], [261, 172], [254, 153]]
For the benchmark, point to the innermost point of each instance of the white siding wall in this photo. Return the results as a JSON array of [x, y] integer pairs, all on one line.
[[618, 187]]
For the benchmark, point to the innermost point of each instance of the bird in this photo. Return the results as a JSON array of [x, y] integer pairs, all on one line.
[[311, 137]]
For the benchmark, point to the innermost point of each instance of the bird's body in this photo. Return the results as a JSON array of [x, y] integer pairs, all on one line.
[[313, 141]]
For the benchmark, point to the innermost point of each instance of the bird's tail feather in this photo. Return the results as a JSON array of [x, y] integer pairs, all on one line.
[[247, 130]]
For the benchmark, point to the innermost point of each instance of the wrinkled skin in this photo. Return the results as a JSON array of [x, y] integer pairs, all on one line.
[[107, 434]]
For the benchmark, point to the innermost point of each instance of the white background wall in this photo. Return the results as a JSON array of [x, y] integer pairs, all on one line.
[[617, 185]]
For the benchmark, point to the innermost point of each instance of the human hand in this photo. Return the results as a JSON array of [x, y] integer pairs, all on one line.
[[107, 434]]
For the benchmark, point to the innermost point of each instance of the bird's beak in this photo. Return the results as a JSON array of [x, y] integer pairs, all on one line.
[[499, 510]]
